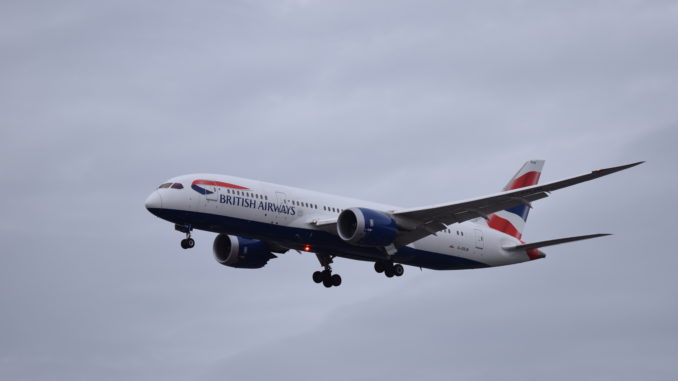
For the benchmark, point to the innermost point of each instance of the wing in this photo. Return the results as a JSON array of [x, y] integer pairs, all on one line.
[[420, 222], [415, 224]]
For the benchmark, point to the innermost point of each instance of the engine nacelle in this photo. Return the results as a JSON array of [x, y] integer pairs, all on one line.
[[366, 227], [241, 252]]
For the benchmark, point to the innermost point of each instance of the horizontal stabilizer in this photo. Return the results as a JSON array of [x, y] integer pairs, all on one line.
[[552, 242]]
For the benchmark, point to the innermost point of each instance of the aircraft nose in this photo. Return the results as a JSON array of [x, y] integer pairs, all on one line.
[[154, 201]]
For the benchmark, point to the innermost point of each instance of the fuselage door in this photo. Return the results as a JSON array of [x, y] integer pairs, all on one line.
[[211, 198], [281, 207], [212, 194], [479, 239]]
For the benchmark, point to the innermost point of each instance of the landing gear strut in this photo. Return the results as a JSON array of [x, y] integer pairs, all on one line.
[[326, 277], [389, 269], [187, 242]]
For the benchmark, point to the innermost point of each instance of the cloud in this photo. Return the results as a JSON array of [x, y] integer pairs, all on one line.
[[386, 101]]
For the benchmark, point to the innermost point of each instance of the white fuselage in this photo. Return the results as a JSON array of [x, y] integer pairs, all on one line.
[[287, 218]]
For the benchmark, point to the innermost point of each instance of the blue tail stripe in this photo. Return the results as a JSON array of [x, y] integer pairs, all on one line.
[[521, 211]]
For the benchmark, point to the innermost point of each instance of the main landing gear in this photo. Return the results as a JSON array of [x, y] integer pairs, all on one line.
[[326, 277], [188, 242], [389, 269]]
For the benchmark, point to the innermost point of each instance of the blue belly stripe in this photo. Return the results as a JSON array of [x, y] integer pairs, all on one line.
[[320, 241]]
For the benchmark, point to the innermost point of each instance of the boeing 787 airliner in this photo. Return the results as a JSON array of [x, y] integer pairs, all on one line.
[[255, 219]]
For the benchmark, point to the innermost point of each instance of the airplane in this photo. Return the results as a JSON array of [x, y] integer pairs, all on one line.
[[255, 219]]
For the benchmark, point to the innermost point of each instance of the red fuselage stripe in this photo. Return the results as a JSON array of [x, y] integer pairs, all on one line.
[[217, 184]]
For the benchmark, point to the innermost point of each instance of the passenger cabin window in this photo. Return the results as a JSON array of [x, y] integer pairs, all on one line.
[[177, 186]]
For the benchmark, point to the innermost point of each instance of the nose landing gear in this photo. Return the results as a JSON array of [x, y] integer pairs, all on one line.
[[188, 242], [326, 277]]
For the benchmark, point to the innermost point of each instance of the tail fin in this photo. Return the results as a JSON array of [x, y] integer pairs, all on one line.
[[512, 221]]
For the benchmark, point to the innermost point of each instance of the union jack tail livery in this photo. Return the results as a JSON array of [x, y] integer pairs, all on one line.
[[512, 221]]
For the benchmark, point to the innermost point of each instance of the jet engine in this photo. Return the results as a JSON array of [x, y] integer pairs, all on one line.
[[366, 227], [241, 252]]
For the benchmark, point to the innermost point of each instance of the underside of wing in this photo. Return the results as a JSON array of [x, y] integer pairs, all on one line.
[[328, 225]]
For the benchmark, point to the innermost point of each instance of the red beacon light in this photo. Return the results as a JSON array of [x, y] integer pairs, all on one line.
[[307, 247]]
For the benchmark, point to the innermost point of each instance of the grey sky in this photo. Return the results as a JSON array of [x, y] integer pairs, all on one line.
[[409, 104]]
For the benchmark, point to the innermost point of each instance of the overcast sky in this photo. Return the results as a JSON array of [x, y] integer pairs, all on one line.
[[407, 103]]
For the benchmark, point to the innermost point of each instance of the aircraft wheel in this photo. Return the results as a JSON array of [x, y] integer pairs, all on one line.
[[389, 272], [317, 276], [190, 243], [379, 266], [398, 270], [327, 282], [184, 244], [336, 280]]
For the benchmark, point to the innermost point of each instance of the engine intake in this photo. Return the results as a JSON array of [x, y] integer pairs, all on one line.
[[234, 251], [366, 227]]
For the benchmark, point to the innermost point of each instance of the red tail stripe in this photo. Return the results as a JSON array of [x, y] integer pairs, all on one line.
[[527, 179], [504, 226], [533, 253]]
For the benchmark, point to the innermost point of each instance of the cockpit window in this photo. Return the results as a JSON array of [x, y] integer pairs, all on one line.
[[165, 185], [177, 186]]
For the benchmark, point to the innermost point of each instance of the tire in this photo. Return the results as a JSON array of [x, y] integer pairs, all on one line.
[[190, 243], [327, 282], [317, 277], [336, 280], [379, 267], [389, 272], [184, 244], [398, 270]]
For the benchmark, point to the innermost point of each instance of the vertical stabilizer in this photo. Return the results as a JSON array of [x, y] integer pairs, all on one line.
[[512, 221]]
